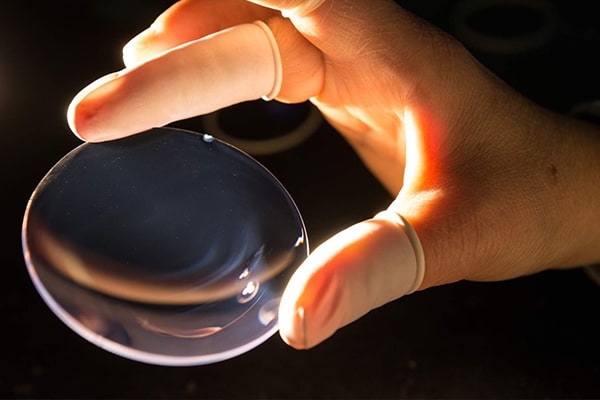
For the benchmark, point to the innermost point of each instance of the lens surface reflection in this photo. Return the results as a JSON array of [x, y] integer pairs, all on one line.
[[167, 247]]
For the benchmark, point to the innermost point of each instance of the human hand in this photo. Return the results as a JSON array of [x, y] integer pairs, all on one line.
[[495, 186]]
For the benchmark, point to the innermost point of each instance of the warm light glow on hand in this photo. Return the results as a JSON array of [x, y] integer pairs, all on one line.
[[466, 156]]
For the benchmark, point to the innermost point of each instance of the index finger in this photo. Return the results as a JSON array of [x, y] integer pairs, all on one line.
[[234, 65]]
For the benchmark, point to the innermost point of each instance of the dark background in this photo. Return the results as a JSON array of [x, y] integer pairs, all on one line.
[[531, 337]]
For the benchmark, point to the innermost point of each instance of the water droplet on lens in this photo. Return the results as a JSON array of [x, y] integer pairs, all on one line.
[[248, 292], [245, 273], [161, 249]]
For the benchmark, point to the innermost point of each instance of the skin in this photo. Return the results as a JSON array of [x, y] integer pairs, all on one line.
[[495, 186]]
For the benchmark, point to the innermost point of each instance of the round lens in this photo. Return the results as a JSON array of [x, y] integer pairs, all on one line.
[[167, 247]]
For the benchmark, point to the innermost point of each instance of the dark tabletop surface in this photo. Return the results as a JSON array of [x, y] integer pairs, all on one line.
[[530, 337]]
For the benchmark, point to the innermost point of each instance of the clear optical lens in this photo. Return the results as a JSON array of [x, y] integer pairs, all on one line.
[[166, 247]]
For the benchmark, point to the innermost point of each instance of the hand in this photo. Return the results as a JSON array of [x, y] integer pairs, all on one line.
[[495, 186]]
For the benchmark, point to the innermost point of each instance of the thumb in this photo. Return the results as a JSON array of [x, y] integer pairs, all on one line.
[[359, 269]]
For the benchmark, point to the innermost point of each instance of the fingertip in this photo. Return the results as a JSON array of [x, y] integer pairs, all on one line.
[[75, 120], [85, 106], [312, 307], [72, 120], [291, 327], [291, 315]]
